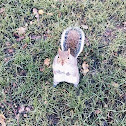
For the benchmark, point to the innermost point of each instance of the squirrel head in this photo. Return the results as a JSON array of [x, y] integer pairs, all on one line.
[[63, 57]]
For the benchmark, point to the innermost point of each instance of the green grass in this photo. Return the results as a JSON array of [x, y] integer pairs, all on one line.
[[22, 82]]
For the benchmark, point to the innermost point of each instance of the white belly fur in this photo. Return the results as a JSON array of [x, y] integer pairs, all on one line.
[[71, 78]]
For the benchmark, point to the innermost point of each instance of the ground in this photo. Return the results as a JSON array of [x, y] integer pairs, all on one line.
[[27, 96]]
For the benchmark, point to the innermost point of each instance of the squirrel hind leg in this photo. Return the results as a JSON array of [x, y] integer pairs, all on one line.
[[55, 84], [75, 85]]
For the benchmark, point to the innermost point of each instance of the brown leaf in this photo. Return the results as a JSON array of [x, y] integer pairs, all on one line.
[[85, 68], [17, 118], [50, 14], [20, 38], [97, 111], [45, 102], [35, 12], [41, 69], [41, 12], [25, 115], [35, 37], [2, 120], [2, 10], [47, 61], [21, 109], [7, 43], [24, 46], [84, 26], [6, 59], [10, 50], [21, 30], [27, 109], [87, 41], [116, 85]]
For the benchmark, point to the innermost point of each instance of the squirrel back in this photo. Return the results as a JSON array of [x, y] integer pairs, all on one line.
[[73, 38]]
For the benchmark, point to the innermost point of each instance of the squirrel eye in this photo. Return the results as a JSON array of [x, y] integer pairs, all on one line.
[[58, 56], [68, 57]]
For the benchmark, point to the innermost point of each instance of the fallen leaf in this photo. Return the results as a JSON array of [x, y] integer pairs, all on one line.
[[27, 109], [25, 46], [10, 50], [20, 38], [2, 10], [116, 85], [6, 59], [53, 6], [105, 105], [41, 69], [7, 43], [35, 37], [35, 12], [31, 22], [47, 61], [2, 120], [21, 109], [50, 14], [87, 41], [17, 118], [97, 111], [84, 26], [25, 115], [45, 102], [14, 85], [85, 68], [21, 30], [41, 12], [124, 24]]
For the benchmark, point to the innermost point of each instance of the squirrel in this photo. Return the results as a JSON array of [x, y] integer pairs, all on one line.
[[65, 62]]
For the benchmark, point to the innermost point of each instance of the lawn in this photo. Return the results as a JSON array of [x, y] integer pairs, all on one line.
[[28, 43]]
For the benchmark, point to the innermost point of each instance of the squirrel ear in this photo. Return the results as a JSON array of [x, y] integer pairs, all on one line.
[[69, 51], [59, 50]]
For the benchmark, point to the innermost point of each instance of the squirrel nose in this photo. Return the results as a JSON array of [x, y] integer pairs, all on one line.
[[62, 63]]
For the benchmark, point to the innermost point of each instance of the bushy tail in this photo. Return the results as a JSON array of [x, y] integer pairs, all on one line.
[[79, 44]]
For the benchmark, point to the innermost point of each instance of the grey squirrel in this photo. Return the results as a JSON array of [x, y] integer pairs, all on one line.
[[65, 62]]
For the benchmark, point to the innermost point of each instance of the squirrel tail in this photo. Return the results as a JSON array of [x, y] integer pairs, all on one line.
[[78, 43]]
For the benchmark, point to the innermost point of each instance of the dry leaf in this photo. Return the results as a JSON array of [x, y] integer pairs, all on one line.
[[41, 69], [41, 12], [50, 14], [6, 59], [35, 37], [97, 111], [35, 12], [116, 85], [27, 109], [85, 68], [2, 120], [45, 102], [31, 22], [20, 38], [7, 43], [17, 118], [84, 26], [47, 61], [21, 109], [10, 50], [25, 46], [2, 10], [25, 115], [21, 30], [53, 6]]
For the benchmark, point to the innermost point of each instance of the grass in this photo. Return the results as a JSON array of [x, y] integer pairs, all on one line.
[[99, 100]]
